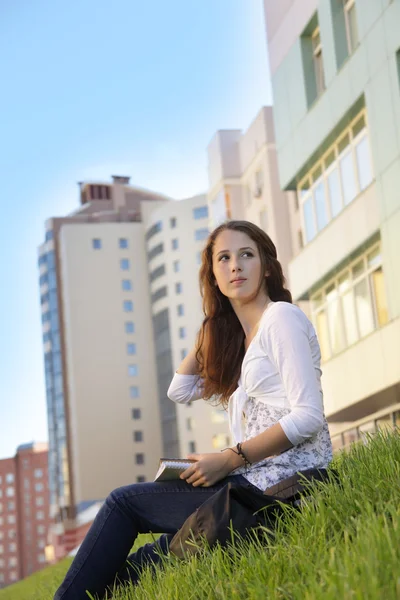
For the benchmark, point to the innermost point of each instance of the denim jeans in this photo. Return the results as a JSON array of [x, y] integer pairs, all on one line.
[[158, 507]]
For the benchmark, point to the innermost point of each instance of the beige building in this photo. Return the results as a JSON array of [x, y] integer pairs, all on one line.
[[244, 184], [175, 236], [335, 75], [120, 308]]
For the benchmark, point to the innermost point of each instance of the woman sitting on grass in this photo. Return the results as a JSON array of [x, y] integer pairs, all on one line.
[[256, 352]]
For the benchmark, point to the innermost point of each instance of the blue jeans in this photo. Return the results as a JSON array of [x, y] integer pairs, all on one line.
[[158, 507]]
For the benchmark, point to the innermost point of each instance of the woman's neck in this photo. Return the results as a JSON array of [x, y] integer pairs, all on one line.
[[250, 314]]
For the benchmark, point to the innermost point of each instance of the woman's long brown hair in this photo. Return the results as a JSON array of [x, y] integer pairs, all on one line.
[[220, 343]]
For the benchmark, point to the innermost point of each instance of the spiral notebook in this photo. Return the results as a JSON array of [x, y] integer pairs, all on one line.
[[171, 468]]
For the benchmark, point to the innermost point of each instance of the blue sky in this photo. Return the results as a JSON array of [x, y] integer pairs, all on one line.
[[92, 88]]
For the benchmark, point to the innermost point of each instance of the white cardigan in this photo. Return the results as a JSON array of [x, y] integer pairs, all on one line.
[[280, 382]]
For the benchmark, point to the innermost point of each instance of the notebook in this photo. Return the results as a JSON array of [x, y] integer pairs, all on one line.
[[171, 468]]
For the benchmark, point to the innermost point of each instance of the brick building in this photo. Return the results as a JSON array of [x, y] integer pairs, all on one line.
[[24, 512]]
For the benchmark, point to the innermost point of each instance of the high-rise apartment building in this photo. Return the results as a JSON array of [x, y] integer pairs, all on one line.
[[335, 67], [118, 290], [244, 184], [24, 512]]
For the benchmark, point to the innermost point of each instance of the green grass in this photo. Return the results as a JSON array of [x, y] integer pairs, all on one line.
[[344, 545]]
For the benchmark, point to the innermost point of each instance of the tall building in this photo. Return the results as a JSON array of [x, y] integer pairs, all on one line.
[[24, 512], [335, 67], [118, 282], [244, 184]]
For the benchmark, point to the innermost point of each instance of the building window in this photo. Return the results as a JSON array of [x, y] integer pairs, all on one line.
[[344, 171], [158, 272], [10, 478], [183, 353], [139, 458], [201, 234], [153, 230], [131, 348], [40, 515], [220, 440], [10, 492], [96, 244], [180, 310], [134, 391], [140, 479], [129, 327], [201, 212], [350, 18], [159, 249], [182, 332], [10, 506], [132, 370], [177, 266], [175, 244], [39, 501], [123, 243], [136, 414], [312, 58], [172, 222], [11, 519], [352, 305], [318, 62], [178, 288], [138, 436], [192, 446], [158, 294], [128, 305], [124, 264], [190, 424], [126, 285]]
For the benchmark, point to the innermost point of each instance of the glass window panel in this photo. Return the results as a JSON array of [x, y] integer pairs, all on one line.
[[378, 285], [385, 423], [364, 163], [374, 258], [344, 142], [320, 206], [335, 195], [323, 334], [329, 158], [350, 436], [364, 307], [349, 316], [358, 269], [309, 219], [348, 178], [335, 322], [317, 173], [352, 27], [344, 282], [358, 126], [317, 301]]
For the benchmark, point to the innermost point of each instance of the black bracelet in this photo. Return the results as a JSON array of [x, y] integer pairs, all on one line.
[[242, 454]]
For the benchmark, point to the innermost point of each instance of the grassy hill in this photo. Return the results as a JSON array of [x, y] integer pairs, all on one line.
[[343, 545]]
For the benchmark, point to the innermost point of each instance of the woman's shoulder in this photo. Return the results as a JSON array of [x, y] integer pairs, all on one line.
[[284, 315]]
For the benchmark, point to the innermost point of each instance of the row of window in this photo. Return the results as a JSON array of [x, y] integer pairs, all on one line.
[[8, 478], [352, 305], [97, 243], [335, 181], [200, 212]]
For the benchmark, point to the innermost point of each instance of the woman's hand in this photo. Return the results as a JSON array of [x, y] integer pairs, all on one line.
[[210, 468]]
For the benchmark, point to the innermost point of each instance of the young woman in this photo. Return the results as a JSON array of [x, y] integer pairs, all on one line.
[[256, 352]]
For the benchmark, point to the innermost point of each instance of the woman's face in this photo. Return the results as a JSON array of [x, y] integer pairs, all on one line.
[[236, 265]]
